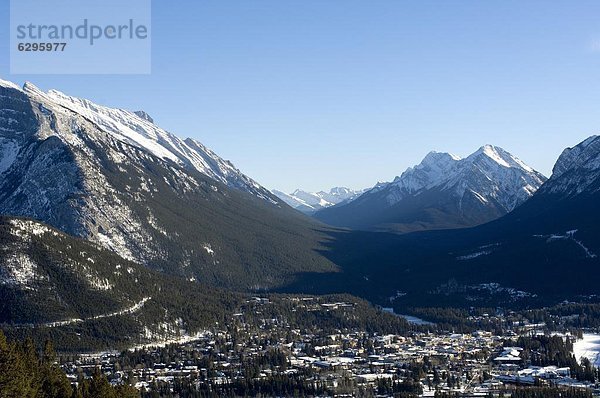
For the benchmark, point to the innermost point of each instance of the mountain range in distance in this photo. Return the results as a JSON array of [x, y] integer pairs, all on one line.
[[310, 202], [442, 192], [88, 192]]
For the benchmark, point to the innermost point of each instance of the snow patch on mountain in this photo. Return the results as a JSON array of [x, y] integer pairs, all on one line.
[[18, 269], [26, 228], [154, 223], [100, 284], [481, 251], [208, 249], [474, 255]]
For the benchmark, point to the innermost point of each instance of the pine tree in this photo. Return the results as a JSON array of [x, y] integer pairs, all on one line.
[[54, 382], [15, 381]]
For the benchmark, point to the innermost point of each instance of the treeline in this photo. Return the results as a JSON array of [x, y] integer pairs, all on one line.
[[553, 350], [26, 374], [278, 385], [456, 319], [530, 392], [298, 385], [313, 316], [398, 389], [571, 315], [547, 392], [565, 316]]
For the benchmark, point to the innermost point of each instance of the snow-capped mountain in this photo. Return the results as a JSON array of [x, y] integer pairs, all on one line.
[[115, 178], [138, 129], [577, 169], [309, 202], [443, 191], [568, 199], [549, 246]]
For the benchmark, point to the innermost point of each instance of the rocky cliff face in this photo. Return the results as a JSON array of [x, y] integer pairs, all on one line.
[[117, 179], [577, 169]]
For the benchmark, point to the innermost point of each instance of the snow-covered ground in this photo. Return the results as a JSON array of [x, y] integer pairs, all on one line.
[[588, 347], [182, 339]]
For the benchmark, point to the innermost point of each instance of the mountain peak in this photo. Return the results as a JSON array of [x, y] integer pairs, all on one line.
[[443, 191], [495, 153], [589, 140], [339, 191], [31, 88], [501, 157], [126, 126], [144, 115], [434, 157], [434, 167]]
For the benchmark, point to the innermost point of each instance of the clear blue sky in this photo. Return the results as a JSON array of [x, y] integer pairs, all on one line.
[[313, 94]]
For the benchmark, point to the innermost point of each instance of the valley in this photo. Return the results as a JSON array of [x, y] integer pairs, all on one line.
[[151, 262]]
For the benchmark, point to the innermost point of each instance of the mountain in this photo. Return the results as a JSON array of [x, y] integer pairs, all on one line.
[[577, 170], [184, 219], [116, 179], [138, 129], [87, 297], [568, 199], [544, 251], [443, 191], [309, 202]]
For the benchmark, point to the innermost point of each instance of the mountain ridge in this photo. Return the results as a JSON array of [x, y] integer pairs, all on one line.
[[141, 131], [59, 166], [443, 191], [309, 202], [545, 251], [103, 174]]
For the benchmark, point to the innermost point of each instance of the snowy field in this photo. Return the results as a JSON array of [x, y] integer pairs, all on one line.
[[588, 347]]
